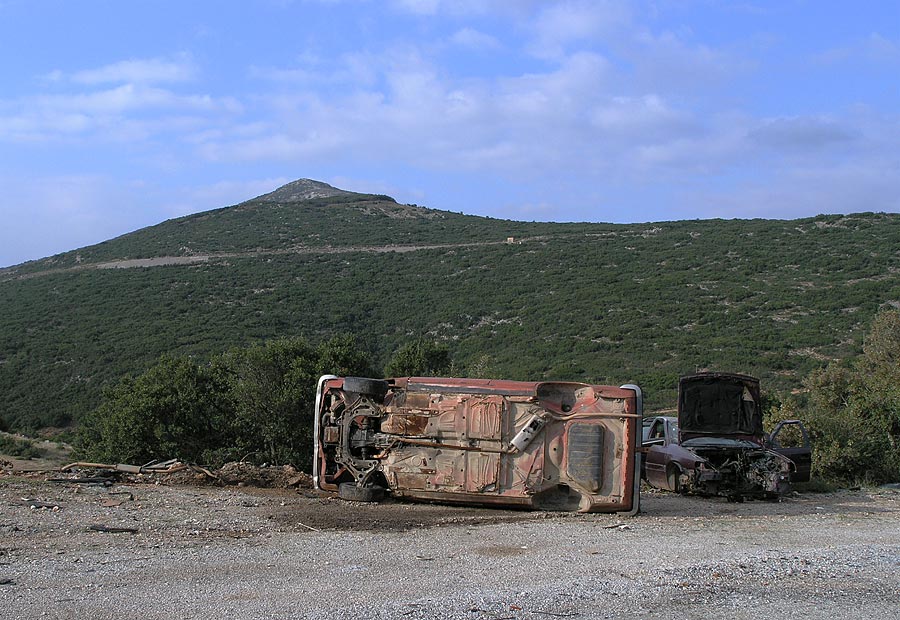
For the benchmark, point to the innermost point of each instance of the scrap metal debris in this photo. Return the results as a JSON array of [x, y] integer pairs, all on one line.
[[113, 530], [617, 526], [153, 467], [104, 480], [238, 473], [39, 505]]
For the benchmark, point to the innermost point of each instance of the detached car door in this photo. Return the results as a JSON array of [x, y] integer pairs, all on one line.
[[790, 439], [655, 453]]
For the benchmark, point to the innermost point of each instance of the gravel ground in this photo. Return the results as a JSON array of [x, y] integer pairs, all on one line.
[[210, 552]]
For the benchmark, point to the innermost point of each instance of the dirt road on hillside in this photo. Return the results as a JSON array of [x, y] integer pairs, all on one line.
[[12, 273]]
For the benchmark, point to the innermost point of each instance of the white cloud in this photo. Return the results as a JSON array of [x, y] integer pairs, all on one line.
[[355, 69], [139, 71], [803, 133], [472, 39], [876, 48], [119, 101], [113, 113], [427, 118], [420, 7], [462, 7], [645, 118], [53, 77], [129, 97], [851, 187], [566, 93], [561, 24], [296, 145], [882, 49], [186, 200], [667, 61], [274, 74]]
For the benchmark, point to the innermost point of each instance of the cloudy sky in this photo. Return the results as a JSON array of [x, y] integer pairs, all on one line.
[[117, 115]]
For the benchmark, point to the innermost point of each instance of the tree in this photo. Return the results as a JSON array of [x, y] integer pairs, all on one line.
[[419, 358], [174, 409], [879, 375], [254, 402], [271, 391], [267, 389], [483, 367], [342, 356], [852, 410]]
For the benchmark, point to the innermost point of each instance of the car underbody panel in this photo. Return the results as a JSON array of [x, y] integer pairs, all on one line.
[[551, 446]]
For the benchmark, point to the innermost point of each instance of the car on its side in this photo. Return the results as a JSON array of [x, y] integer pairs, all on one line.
[[716, 445], [543, 445]]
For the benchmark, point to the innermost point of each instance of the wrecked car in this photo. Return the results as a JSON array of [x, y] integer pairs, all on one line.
[[716, 445], [539, 445]]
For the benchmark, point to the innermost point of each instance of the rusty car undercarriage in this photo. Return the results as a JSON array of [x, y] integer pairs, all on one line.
[[538, 445]]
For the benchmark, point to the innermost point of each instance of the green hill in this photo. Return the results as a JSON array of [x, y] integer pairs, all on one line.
[[599, 302]]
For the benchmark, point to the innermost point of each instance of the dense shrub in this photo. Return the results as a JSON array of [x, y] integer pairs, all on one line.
[[419, 358], [21, 448], [175, 409], [254, 402], [852, 410]]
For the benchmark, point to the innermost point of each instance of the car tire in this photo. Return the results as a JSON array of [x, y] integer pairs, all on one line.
[[673, 478], [367, 387], [350, 491]]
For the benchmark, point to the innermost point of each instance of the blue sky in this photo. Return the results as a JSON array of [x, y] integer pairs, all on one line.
[[118, 115]]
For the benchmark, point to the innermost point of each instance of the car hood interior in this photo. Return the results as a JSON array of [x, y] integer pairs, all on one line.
[[719, 404]]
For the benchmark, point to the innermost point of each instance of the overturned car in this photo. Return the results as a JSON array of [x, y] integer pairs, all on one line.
[[540, 445], [717, 446]]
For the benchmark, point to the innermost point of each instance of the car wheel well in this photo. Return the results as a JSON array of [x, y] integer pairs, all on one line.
[[674, 471]]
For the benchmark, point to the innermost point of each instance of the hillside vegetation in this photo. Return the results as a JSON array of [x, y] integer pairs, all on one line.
[[852, 410], [592, 302]]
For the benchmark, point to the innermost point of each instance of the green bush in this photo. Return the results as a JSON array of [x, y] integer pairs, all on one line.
[[852, 410], [21, 448], [254, 402], [174, 410], [419, 358]]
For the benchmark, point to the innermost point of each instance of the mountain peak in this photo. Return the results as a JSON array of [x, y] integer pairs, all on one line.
[[302, 189]]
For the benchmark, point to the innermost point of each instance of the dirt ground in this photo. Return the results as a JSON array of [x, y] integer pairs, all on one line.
[[52, 511], [141, 548], [280, 499]]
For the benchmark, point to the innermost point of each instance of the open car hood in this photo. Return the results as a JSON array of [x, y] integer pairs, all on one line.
[[719, 405]]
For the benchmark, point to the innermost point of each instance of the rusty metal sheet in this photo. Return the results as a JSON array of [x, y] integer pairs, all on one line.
[[584, 458], [451, 440], [483, 416], [405, 424], [482, 472]]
